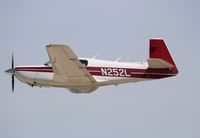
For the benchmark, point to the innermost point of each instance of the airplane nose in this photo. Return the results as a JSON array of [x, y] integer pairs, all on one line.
[[10, 71]]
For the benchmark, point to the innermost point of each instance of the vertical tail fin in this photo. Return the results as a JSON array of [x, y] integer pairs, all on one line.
[[158, 50]]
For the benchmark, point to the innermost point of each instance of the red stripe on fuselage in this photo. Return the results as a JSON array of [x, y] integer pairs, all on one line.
[[37, 70], [43, 67], [34, 69]]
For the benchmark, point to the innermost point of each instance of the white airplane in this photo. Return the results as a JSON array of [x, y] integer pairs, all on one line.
[[85, 75]]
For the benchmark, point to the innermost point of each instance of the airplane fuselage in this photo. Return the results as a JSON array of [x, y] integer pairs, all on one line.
[[101, 70]]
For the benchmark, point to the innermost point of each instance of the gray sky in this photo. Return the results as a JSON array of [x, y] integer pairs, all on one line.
[[163, 108]]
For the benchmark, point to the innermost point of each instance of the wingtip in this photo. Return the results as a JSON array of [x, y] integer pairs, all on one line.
[[55, 45]]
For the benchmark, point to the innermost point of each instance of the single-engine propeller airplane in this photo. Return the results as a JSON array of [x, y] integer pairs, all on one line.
[[85, 75]]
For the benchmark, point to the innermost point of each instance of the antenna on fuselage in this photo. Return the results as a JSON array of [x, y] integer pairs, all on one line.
[[94, 57], [117, 60]]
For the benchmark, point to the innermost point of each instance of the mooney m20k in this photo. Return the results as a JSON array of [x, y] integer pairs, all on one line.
[[84, 75]]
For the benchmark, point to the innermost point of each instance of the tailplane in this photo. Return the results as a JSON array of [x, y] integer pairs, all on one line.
[[159, 56]]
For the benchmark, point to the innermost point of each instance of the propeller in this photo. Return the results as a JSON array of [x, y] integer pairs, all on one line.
[[12, 73]]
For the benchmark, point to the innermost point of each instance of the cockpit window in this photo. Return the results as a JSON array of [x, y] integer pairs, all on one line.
[[84, 62], [48, 63]]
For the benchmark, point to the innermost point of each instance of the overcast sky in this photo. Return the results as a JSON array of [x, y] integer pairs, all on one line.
[[168, 108]]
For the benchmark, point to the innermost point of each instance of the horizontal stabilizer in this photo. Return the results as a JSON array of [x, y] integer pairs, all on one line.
[[157, 63]]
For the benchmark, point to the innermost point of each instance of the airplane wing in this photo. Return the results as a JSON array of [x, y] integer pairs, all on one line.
[[67, 68]]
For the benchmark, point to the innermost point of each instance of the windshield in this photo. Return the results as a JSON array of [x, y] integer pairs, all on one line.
[[48, 63]]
